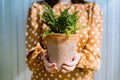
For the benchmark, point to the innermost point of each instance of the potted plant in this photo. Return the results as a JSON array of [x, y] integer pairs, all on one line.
[[61, 36]]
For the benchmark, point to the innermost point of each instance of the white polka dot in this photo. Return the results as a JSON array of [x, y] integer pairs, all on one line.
[[94, 16], [73, 78], [36, 26], [85, 32], [27, 26], [77, 31], [96, 37], [93, 24], [98, 16], [76, 74], [35, 10], [35, 42], [72, 7], [86, 36], [96, 29], [36, 18], [81, 36], [98, 41], [80, 48], [38, 64], [92, 41], [29, 45], [26, 49], [33, 32], [76, 48], [93, 32], [81, 11], [30, 29], [53, 10], [29, 37], [99, 25], [28, 18], [98, 33], [85, 13], [82, 7], [42, 70], [101, 29], [35, 4], [26, 33], [60, 76], [87, 45], [34, 64], [31, 16], [69, 75], [83, 41], [91, 58], [51, 75], [41, 35], [41, 79], [89, 78], [97, 20], [26, 42], [41, 57], [40, 7], [36, 76], [80, 20], [87, 21], [48, 78], [90, 14], [98, 49], [45, 74], [41, 63], [56, 79], [78, 44], [33, 24], [83, 17]]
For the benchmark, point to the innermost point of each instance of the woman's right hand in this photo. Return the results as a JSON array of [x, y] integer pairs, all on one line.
[[50, 67]]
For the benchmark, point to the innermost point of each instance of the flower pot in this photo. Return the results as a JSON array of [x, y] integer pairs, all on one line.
[[61, 47]]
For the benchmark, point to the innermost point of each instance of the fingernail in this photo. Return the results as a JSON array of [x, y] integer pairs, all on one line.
[[63, 71], [53, 64], [56, 68]]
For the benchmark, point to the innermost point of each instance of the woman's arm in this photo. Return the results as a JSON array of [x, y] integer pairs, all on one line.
[[34, 42], [90, 57]]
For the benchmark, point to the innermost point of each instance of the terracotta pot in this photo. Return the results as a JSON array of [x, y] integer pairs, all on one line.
[[61, 47]]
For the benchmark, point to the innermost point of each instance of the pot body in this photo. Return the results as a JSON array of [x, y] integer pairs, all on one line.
[[61, 48]]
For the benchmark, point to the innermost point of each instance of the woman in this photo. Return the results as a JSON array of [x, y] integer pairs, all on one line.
[[88, 57]]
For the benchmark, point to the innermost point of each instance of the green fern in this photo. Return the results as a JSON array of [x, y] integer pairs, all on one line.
[[64, 23]]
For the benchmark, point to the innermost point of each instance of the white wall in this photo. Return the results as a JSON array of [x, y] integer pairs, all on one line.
[[12, 40]]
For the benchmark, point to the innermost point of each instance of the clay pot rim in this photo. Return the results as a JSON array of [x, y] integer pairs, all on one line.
[[61, 36]]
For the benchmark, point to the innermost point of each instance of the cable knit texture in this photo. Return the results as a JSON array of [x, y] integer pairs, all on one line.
[[88, 47]]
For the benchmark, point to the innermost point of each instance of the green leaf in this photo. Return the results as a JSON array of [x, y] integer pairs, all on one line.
[[48, 32], [64, 23]]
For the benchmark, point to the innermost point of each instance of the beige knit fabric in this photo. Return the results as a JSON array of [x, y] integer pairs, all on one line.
[[89, 44]]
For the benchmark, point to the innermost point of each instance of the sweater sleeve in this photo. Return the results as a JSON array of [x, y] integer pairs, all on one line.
[[90, 54], [34, 42]]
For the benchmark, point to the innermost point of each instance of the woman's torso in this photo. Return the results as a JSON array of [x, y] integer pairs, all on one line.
[[84, 20]]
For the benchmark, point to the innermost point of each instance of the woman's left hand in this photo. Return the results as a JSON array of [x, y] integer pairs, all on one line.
[[70, 66]]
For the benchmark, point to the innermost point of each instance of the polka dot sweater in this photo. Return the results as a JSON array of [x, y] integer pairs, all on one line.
[[88, 47]]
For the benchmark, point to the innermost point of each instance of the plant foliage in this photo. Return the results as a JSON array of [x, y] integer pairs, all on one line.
[[64, 23]]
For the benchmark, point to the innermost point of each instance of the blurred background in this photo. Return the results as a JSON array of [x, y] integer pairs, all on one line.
[[13, 14]]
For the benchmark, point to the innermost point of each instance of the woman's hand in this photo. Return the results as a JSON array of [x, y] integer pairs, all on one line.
[[50, 67], [70, 66]]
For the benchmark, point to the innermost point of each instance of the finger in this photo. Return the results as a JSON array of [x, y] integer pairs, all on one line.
[[64, 71], [48, 64], [51, 70], [67, 68], [70, 64]]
